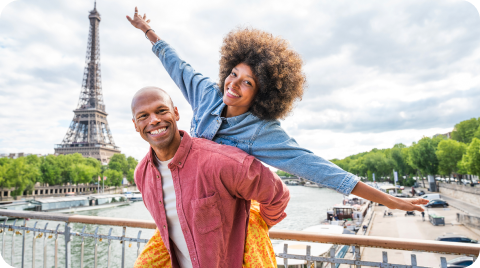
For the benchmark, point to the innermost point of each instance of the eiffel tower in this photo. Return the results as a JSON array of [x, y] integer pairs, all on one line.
[[89, 133]]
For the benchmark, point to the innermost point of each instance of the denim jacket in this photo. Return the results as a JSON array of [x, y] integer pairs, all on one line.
[[264, 139]]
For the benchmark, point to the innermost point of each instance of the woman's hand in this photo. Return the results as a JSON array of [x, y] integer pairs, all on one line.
[[139, 22], [407, 204]]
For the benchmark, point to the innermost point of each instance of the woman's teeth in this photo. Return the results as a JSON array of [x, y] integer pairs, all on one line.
[[232, 93], [158, 131]]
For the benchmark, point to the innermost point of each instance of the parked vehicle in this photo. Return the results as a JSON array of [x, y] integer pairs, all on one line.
[[456, 238], [409, 213], [401, 195], [437, 203], [422, 192], [460, 262], [431, 196]]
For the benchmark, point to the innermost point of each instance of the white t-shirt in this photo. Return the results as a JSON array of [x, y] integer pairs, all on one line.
[[174, 229]]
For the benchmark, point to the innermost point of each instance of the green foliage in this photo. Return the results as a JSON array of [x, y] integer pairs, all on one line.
[[114, 177], [465, 130], [471, 160], [22, 173], [423, 155], [449, 153], [283, 173]]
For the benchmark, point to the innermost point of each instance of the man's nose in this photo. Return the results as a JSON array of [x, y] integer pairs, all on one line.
[[155, 119]]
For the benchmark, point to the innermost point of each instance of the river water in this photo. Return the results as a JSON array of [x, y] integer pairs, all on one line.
[[307, 207]]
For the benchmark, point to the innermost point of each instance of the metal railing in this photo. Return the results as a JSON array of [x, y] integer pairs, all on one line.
[[354, 241]]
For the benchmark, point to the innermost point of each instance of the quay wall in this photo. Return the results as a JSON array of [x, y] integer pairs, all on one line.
[[463, 193], [61, 190], [469, 221]]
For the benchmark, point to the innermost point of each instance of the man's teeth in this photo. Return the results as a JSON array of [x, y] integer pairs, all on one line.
[[154, 132], [231, 92]]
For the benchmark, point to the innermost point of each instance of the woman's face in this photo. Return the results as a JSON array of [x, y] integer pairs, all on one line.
[[240, 87]]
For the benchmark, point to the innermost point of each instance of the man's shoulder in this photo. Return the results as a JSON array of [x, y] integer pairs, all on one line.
[[212, 149]]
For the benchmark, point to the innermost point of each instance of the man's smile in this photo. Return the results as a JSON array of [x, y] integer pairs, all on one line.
[[157, 132]]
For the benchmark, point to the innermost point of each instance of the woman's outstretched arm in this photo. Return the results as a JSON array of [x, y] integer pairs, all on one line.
[[141, 23], [192, 84], [274, 147]]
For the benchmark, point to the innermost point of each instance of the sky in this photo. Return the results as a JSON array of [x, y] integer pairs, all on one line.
[[378, 72]]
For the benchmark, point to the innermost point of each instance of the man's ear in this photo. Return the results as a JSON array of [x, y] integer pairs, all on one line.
[[177, 115], [135, 124]]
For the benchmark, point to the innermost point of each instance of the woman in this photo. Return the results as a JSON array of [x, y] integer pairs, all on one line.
[[260, 79]]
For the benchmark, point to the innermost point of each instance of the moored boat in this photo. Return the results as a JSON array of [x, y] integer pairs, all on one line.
[[78, 203]]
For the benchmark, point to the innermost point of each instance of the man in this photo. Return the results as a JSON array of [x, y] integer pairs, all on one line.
[[198, 191]]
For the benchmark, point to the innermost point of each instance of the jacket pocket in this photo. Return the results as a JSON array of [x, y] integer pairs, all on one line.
[[206, 214]]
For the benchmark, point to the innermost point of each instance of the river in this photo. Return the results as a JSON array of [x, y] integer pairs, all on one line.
[[307, 207]]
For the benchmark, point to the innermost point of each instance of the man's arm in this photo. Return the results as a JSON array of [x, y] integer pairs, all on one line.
[[257, 182]]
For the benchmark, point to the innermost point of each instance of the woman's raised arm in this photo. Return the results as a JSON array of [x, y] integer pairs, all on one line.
[[141, 23], [192, 84]]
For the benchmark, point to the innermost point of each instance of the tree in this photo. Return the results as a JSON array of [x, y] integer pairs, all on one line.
[[465, 130], [50, 170], [114, 177], [472, 157], [21, 176], [119, 163], [449, 153]]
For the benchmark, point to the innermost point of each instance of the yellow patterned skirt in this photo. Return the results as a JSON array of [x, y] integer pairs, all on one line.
[[258, 247]]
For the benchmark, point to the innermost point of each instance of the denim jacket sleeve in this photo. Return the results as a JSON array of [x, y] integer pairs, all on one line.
[[274, 147], [191, 83]]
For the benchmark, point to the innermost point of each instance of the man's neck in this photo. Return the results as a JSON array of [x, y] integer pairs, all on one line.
[[167, 153]]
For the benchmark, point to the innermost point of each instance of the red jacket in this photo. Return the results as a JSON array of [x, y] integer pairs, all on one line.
[[213, 185]]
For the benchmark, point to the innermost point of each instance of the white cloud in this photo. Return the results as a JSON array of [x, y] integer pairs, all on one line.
[[379, 72]]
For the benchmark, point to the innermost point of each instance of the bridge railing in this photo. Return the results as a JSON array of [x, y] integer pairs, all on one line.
[[63, 230]]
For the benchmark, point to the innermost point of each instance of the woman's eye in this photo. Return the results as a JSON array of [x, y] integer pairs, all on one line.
[[233, 74], [248, 83]]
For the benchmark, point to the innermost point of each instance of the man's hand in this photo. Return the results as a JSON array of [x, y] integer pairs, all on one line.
[[139, 22], [407, 204]]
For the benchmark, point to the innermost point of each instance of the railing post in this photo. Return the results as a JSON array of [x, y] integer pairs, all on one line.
[[13, 244], [308, 257], [123, 246], [82, 246], [23, 243], [357, 256], [56, 246], [45, 246], [414, 260], [3, 238], [332, 255], [443, 262], [95, 249], [67, 244], [109, 247], [138, 244], [285, 251], [34, 243]]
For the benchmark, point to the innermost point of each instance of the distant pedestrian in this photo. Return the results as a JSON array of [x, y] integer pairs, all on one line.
[[413, 192], [423, 215]]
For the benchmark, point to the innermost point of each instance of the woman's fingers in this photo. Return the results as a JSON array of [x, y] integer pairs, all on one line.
[[129, 19], [148, 21], [144, 16]]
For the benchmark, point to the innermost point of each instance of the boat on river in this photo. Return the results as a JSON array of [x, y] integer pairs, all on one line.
[[73, 204], [133, 196], [316, 249]]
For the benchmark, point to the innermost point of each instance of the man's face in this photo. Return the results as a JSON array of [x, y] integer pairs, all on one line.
[[155, 118]]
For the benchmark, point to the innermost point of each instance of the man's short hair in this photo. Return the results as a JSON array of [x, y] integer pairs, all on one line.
[[151, 88]]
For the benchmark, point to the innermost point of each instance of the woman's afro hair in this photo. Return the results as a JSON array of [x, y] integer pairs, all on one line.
[[277, 67]]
